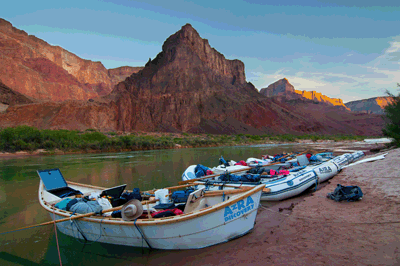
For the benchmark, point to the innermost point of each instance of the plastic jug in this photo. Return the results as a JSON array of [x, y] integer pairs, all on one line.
[[162, 195]]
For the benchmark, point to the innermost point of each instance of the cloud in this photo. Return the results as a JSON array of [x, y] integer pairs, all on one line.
[[346, 81]]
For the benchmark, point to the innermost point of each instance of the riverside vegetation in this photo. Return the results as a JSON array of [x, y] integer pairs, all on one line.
[[25, 138], [392, 113]]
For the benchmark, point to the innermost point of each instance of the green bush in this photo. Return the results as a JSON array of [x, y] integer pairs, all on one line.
[[49, 145], [93, 137], [255, 137], [392, 113], [19, 145]]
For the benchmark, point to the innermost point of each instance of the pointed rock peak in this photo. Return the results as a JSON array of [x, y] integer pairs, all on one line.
[[188, 27], [186, 34], [284, 80]]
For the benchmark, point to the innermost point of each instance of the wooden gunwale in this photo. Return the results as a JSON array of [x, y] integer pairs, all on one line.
[[84, 185], [159, 221]]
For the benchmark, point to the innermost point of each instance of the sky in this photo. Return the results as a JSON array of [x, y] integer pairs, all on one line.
[[348, 49]]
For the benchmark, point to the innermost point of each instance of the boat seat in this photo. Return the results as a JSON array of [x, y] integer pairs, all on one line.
[[195, 201], [55, 183]]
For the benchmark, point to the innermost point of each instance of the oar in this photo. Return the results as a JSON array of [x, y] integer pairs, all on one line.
[[211, 176], [169, 188], [234, 171], [266, 190], [76, 217]]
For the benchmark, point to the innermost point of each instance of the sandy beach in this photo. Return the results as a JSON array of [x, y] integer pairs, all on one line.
[[314, 230]]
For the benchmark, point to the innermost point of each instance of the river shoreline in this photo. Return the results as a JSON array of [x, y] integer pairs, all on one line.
[[329, 144]]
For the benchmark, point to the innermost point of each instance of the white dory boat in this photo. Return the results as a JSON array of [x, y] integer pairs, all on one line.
[[209, 218]]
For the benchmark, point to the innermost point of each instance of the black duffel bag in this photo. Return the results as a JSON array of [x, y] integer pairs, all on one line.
[[349, 193]]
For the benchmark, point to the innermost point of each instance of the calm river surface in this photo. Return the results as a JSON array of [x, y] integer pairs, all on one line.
[[19, 205]]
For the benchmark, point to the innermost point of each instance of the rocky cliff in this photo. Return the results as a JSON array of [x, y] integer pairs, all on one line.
[[374, 105], [191, 87], [319, 97], [283, 88], [186, 83], [9, 97], [39, 70]]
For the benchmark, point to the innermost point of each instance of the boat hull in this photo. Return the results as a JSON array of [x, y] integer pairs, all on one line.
[[193, 234], [326, 170], [221, 222], [289, 186]]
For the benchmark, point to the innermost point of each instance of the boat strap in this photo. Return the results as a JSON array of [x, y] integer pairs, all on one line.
[[140, 231], [316, 180]]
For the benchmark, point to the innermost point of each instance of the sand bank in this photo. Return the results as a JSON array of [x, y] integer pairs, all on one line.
[[314, 230]]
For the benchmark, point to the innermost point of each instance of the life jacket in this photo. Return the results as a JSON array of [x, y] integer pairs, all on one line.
[[283, 172], [241, 163], [273, 172]]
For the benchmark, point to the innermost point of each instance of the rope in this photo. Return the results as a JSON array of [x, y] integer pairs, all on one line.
[[78, 229], [55, 230], [74, 222], [148, 244]]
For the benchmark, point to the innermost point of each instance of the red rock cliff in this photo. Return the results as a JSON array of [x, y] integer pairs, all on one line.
[[34, 68], [190, 87], [187, 82]]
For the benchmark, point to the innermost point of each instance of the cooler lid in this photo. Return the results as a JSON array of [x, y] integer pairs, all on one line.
[[52, 179]]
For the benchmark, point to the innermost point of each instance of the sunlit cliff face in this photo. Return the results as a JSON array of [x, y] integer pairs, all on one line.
[[316, 96], [383, 101]]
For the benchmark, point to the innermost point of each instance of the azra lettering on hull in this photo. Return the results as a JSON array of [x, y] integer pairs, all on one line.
[[238, 209]]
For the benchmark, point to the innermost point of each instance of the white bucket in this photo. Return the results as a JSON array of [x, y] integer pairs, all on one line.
[[162, 195]]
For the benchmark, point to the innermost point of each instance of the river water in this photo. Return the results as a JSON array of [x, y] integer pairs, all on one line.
[[143, 169]]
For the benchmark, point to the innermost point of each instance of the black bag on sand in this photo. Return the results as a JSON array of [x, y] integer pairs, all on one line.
[[349, 193]]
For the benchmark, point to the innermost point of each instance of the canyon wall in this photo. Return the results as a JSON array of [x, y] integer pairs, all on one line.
[[187, 87], [33, 67], [374, 105]]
